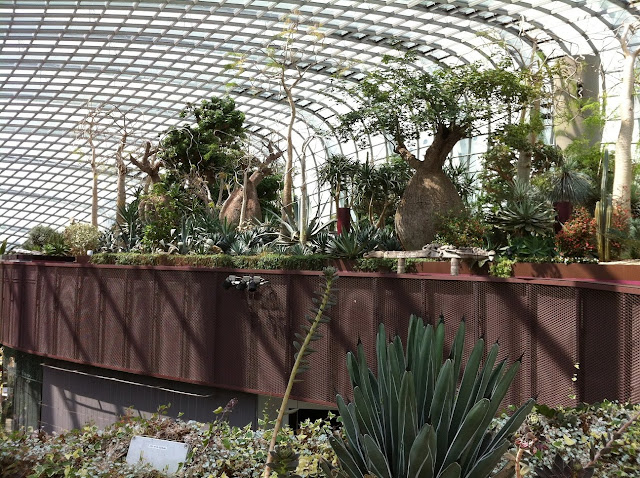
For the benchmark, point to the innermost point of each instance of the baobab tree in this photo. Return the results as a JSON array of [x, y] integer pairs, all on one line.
[[400, 101]]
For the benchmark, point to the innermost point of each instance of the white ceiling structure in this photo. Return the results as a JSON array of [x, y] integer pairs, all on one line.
[[59, 59]]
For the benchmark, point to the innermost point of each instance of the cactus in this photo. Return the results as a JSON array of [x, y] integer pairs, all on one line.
[[604, 214], [410, 421]]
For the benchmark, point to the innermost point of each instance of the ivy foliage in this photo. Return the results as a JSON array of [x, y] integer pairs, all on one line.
[[577, 435], [217, 449]]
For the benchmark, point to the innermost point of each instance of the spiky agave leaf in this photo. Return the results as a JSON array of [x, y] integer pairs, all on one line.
[[411, 414]]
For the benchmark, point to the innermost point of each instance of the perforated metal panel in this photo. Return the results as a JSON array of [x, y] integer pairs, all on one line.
[[180, 323], [555, 355]]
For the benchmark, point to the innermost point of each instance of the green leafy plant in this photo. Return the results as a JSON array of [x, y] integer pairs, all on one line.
[[528, 216], [463, 179], [40, 235], [528, 247], [284, 462], [378, 189], [567, 182], [502, 267], [323, 302], [3, 247], [290, 227], [410, 421], [217, 449], [338, 171], [578, 235], [460, 229], [56, 249], [81, 237], [561, 469], [599, 439], [347, 245]]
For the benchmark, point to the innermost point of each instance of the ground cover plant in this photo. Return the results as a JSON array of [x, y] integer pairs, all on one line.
[[220, 450], [217, 449], [579, 436]]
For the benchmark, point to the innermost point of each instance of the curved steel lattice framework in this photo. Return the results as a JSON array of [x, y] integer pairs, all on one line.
[[59, 59]]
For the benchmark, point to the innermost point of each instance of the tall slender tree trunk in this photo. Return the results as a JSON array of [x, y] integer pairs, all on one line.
[[523, 166], [287, 191], [623, 171], [121, 195], [94, 186], [245, 197], [304, 206]]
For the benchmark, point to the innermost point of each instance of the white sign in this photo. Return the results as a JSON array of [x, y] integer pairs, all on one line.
[[162, 455]]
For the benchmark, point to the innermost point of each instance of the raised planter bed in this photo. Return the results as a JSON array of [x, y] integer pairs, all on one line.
[[616, 271], [444, 267], [36, 257]]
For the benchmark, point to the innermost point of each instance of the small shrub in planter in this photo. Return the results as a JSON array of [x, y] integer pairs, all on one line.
[[502, 267], [578, 235], [47, 240], [81, 237], [460, 230]]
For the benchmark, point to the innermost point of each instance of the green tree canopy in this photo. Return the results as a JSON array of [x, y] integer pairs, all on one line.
[[400, 101], [212, 145]]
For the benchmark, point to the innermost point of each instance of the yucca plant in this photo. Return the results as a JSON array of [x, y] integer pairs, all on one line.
[[412, 422]]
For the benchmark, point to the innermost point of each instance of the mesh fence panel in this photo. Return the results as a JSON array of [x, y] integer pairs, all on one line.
[[554, 353], [601, 347], [65, 300], [183, 324], [200, 327], [633, 302], [113, 311]]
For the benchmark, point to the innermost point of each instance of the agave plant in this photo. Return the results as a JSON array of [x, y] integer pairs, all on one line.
[[525, 212], [347, 245], [410, 421], [292, 231]]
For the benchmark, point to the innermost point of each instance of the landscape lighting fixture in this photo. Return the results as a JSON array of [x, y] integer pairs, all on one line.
[[250, 283], [229, 281]]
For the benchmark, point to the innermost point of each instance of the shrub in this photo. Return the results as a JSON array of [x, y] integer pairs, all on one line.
[[39, 236], [502, 267], [460, 230], [575, 434], [81, 237], [578, 235]]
